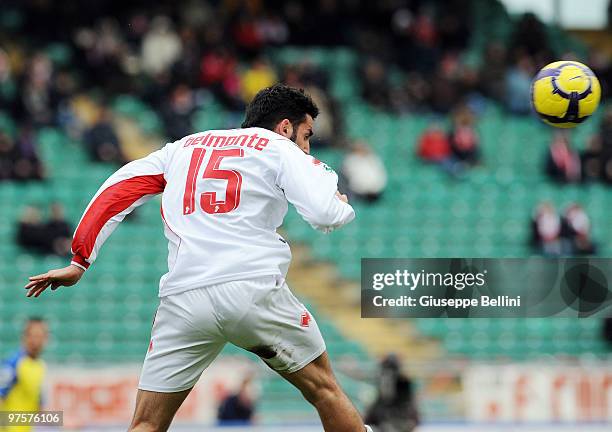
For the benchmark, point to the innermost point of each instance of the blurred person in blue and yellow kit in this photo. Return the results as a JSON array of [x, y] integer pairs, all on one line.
[[22, 373]]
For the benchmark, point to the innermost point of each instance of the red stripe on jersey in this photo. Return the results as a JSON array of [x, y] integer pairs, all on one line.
[[80, 261], [109, 203]]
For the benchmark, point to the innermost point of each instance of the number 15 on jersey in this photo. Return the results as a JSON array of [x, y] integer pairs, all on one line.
[[208, 200]]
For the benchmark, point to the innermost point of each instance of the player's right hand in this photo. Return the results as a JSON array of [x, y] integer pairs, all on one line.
[[66, 276]]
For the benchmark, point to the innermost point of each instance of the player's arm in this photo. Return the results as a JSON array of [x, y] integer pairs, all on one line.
[[129, 187], [8, 378], [312, 187]]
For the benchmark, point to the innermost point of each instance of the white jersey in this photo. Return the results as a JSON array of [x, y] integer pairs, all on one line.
[[225, 194]]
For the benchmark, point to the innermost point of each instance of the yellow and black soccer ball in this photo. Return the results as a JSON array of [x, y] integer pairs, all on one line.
[[565, 93]]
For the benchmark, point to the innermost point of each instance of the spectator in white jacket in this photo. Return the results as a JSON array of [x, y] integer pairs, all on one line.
[[365, 173], [161, 46]]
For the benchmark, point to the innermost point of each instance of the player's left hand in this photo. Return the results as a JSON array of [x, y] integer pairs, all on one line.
[[66, 276], [342, 197]]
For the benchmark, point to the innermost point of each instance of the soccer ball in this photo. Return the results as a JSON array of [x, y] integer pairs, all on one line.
[[565, 93]]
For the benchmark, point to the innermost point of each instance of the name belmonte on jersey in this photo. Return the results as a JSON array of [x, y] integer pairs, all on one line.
[[224, 195], [210, 140]]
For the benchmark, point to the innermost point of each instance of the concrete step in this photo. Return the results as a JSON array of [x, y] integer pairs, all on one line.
[[339, 301]]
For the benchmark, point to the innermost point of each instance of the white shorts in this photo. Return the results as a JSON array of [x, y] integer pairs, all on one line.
[[259, 315]]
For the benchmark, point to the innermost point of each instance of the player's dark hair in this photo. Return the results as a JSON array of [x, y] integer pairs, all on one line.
[[273, 104]]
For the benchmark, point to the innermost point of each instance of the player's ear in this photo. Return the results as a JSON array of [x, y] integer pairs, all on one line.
[[284, 128]]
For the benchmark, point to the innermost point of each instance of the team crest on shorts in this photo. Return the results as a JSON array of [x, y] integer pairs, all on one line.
[[305, 319]]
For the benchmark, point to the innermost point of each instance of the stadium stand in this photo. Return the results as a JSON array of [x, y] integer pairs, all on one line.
[[423, 213]]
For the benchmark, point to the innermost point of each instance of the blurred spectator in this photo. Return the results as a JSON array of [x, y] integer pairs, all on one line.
[[576, 231], [37, 92], [600, 63], [104, 53], [455, 151], [198, 13], [273, 29], [177, 114], [19, 158], [314, 81], [102, 141], [258, 76], [247, 36], [65, 87], [433, 145], [27, 165], [313, 75], [375, 88], [329, 123], [446, 90], [454, 25], [219, 72], [530, 36], [30, 230], [394, 409], [186, 67], [51, 237], [58, 231], [592, 161], [518, 86], [425, 41], [215, 65], [8, 155], [413, 95], [161, 46], [562, 162], [493, 72], [157, 90], [238, 408], [546, 230], [605, 134], [8, 87], [324, 27], [365, 173], [137, 26], [463, 138]]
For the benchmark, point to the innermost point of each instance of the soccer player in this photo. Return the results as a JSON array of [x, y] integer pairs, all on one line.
[[22, 374], [225, 193]]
